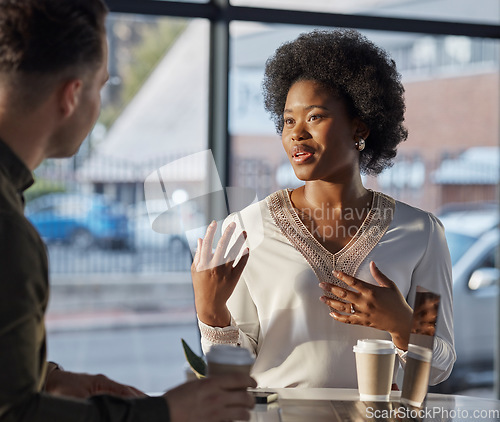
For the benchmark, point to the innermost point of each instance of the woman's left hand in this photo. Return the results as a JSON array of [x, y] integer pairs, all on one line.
[[382, 307]]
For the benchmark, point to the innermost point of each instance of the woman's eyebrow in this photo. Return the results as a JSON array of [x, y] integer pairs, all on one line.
[[316, 106], [289, 110]]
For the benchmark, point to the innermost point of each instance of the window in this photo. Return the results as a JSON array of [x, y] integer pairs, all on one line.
[[121, 306], [450, 163], [121, 295], [482, 11], [449, 82]]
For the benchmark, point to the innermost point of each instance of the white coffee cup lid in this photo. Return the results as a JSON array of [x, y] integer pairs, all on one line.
[[419, 352], [234, 355], [375, 346]]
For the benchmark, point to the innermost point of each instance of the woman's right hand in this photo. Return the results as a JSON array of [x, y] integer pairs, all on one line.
[[214, 276]]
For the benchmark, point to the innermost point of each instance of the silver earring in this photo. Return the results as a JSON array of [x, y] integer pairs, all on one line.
[[360, 145]]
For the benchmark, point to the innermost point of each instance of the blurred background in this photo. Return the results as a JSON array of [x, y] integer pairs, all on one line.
[[185, 77]]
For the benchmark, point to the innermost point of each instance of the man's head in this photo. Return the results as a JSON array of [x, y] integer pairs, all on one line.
[[45, 41], [53, 64]]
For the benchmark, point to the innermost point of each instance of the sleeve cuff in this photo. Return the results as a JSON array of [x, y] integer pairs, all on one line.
[[220, 335], [402, 356], [51, 367]]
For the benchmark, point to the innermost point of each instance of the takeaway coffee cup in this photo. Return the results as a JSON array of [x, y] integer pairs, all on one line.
[[416, 378], [374, 366], [225, 359]]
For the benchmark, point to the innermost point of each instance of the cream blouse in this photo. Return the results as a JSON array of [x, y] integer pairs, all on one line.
[[275, 308]]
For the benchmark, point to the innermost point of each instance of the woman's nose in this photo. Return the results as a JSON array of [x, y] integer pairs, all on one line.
[[299, 132]]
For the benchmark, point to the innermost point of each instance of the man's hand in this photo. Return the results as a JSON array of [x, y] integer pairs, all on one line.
[[213, 399], [71, 384]]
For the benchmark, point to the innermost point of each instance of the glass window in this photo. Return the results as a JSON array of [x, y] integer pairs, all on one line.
[[121, 292], [480, 11], [452, 91], [121, 297], [187, 1], [450, 163]]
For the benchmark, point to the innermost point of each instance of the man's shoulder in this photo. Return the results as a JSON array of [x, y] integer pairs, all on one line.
[[15, 229], [10, 199], [14, 226]]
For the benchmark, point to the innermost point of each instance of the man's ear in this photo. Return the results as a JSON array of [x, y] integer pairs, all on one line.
[[69, 96], [361, 128]]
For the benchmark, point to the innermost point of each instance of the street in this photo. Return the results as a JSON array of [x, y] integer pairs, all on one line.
[[122, 313], [149, 358], [69, 259]]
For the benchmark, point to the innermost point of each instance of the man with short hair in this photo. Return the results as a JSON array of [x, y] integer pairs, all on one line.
[[53, 64]]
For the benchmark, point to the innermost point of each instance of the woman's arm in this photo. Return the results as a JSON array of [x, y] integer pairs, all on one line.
[[433, 272], [245, 333], [215, 275], [215, 281]]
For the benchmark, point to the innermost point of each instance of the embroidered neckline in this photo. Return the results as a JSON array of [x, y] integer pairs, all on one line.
[[322, 261], [305, 231]]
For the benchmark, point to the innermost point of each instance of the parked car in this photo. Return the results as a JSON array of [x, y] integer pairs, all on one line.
[[154, 227], [79, 220], [473, 238]]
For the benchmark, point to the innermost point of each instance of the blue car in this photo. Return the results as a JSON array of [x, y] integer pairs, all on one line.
[[80, 220]]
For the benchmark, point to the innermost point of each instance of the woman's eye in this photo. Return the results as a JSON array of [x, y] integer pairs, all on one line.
[[288, 121], [314, 117]]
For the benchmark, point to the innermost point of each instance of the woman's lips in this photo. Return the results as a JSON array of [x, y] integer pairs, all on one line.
[[301, 153]]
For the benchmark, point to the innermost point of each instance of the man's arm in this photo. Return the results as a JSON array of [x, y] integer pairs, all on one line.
[[23, 299], [72, 384]]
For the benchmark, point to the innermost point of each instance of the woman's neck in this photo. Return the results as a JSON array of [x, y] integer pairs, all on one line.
[[340, 196]]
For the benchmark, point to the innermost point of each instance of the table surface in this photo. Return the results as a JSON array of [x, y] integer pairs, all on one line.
[[343, 405]]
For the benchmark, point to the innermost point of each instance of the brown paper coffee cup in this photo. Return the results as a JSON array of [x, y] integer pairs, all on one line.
[[374, 367], [224, 359], [416, 378]]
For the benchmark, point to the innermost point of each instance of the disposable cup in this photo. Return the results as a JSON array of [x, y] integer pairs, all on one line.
[[416, 377], [224, 359], [374, 367]]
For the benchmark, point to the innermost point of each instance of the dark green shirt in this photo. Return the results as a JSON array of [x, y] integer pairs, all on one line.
[[24, 293]]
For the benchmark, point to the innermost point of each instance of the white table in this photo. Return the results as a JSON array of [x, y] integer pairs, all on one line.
[[332, 405]]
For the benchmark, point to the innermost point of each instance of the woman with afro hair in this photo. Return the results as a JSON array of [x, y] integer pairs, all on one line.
[[330, 262]]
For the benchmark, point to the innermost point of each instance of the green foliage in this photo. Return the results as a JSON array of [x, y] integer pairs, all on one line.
[[197, 364], [109, 114], [156, 41], [152, 40]]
